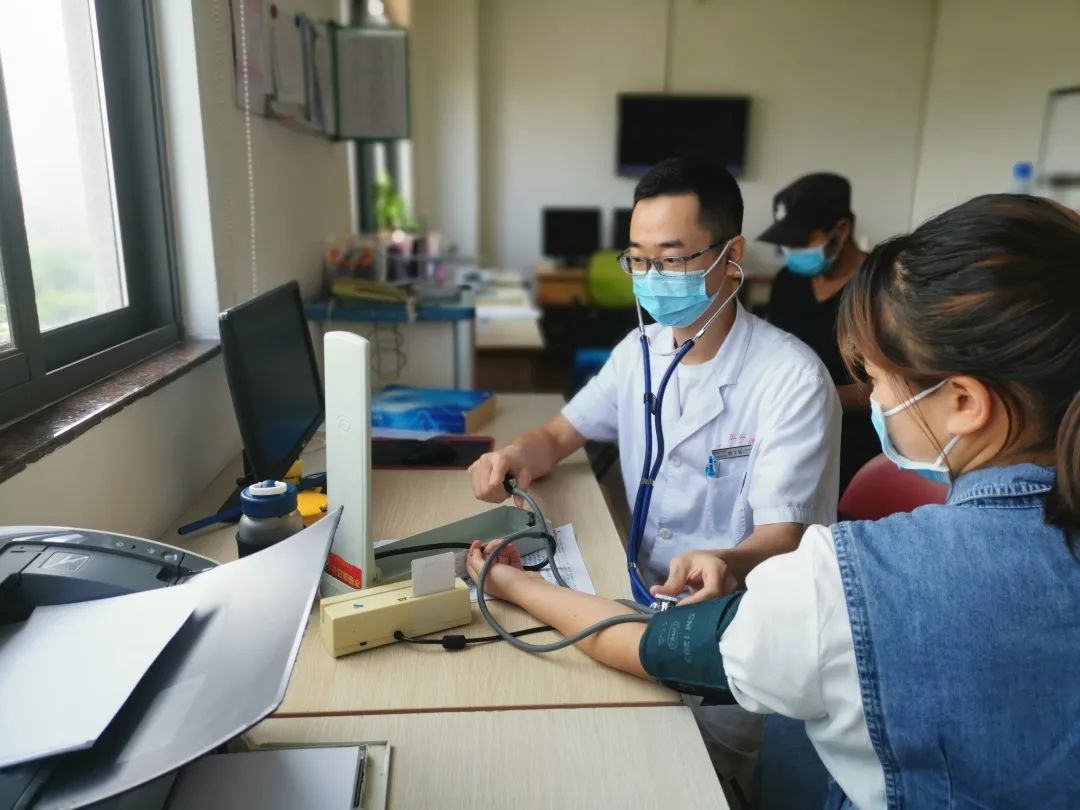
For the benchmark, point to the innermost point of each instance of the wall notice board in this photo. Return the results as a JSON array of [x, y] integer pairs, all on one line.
[[345, 82]]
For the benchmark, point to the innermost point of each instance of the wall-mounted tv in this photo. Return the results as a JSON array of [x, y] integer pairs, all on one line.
[[654, 126]]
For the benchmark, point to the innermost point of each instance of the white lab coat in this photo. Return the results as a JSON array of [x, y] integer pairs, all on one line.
[[770, 404]]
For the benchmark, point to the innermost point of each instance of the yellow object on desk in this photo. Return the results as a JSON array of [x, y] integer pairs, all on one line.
[[312, 505], [364, 290], [369, 618], [295, 472]]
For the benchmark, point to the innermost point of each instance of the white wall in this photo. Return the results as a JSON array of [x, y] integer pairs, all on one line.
[[444, 107], [835, 85], [549, 73], [301, 181], [137, 470], [993, 63]]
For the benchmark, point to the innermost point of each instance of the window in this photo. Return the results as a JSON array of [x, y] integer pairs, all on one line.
[[86, 270]]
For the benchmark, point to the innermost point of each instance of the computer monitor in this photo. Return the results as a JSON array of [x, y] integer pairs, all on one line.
[[620, 230], [571, 235], [273, 378]]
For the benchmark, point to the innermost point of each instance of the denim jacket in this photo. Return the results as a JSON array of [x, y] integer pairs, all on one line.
[[966, 624]]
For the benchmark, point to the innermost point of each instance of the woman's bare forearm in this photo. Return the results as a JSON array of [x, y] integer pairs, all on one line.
[[570, 611]]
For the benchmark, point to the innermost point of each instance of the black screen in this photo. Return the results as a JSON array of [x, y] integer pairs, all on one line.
[[620, 231], [571, 234], [654, 127], [273, 378]]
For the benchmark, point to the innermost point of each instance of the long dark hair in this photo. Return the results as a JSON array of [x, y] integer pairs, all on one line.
[[991, 290]]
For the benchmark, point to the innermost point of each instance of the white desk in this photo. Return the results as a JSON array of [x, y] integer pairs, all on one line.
[[641, 758], [473, 728], [504, 335], [509, 343], [507, 320]]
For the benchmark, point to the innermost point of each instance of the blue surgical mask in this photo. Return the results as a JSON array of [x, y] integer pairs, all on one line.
[[674, 301], [937, 470], [811, 261]]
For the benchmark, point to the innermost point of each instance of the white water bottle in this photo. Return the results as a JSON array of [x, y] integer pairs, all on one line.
[[269, 516], [1023, 174]]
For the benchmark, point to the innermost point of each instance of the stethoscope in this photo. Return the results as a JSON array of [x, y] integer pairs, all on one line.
[[653, 407]]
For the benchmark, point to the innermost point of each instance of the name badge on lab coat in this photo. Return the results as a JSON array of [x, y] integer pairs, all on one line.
[[720, 464]]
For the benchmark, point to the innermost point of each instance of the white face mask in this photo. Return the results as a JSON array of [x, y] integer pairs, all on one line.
[[937, 470]]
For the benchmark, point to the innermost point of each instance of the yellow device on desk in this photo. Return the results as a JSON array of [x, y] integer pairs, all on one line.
[[360, 289], [369, 618]]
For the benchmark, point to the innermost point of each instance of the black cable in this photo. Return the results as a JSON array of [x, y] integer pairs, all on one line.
[[551, 549], [511, 488], [398, 552], [457, 642]]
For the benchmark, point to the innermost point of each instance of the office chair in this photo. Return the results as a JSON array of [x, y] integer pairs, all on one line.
[[881, 489]]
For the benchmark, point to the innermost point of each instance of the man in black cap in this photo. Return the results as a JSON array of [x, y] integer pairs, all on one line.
[[814, 227]]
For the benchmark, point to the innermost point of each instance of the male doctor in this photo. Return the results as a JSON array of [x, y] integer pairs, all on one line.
[[751, 418]]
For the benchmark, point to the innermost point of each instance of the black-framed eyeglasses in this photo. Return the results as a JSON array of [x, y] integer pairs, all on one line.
[[670, 266]]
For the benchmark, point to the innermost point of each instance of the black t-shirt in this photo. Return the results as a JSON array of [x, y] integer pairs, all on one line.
[[793, 308]]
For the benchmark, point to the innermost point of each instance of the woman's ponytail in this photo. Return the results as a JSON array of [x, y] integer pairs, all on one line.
[[1063, 504]]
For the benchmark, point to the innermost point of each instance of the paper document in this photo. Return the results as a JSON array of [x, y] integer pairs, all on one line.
[[567, 558], [66, 671], [287, 49], [320, 93], [323, 777], [251, 49], [500, 312], [433, 574]]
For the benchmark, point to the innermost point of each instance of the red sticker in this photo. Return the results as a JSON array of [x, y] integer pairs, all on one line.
[[344, 571]]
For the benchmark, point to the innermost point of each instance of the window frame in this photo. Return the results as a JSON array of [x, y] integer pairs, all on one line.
[[40, 368]]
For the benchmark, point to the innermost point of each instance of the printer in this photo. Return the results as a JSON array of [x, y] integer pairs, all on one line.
[[53, 566], [231, 658]]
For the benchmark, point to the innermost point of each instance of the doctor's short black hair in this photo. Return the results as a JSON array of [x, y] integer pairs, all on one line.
[[717, 192]]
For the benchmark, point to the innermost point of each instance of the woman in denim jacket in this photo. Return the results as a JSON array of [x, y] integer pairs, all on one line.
[[933, 656]]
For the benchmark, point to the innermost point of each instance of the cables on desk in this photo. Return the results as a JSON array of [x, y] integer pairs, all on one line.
[[521, 535], [459, 642], [511, 638]]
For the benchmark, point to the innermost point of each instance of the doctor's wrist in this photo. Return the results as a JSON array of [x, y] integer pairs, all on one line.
[[742, 561]]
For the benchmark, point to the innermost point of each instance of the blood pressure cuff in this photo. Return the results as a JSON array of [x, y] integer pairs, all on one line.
[[681, 648]]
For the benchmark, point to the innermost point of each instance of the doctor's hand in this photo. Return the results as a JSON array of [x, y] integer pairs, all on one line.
[[705, 573], [504, 573], [489, 471]]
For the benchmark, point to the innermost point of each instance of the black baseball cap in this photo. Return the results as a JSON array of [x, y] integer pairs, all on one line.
[[815, 202]]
